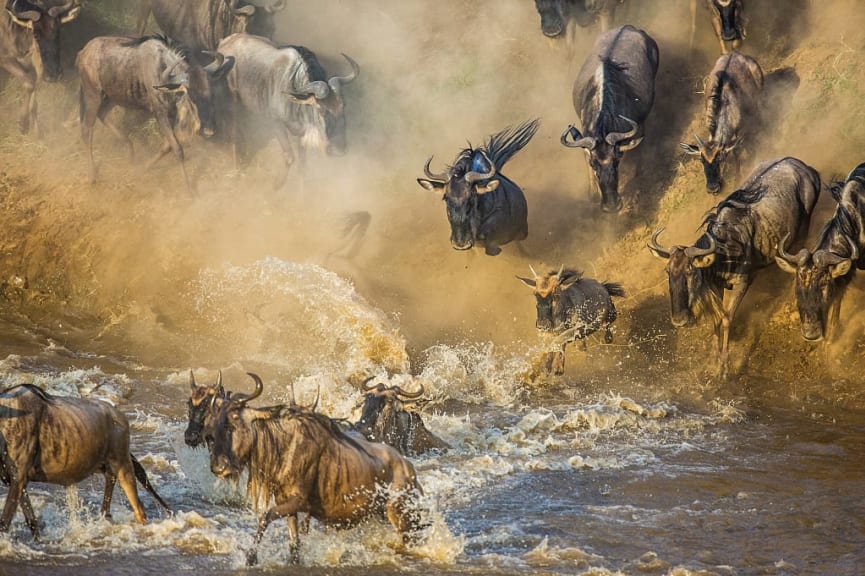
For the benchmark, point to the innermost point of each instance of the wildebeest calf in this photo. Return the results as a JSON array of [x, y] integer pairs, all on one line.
[[572, 307]]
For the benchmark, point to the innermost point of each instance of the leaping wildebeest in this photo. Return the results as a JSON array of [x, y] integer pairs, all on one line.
[[288, 85], [30, 48], [483, 205], [149, 74], [742, 235], [572, 307], [728, 20], [613, 95], [63, 440], [732, 114], [202, 407], [201, 24], [823, 274], [305, 462], [385, 419]]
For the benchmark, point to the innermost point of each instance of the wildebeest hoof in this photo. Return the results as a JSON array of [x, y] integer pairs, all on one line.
[[493, 250], [252, 557]]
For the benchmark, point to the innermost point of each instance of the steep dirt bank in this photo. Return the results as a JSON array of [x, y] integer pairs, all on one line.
[[116, 257]]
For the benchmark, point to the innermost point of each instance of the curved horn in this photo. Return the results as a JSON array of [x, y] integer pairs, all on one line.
[[291, 401], [614, 138], [473, 177], [794, 261], [365, 388], [275, 7], [219, 389], [694, 252], [534, 274], [192, 384], [559, 273], [657, 248], [854, 249], [218, 59], [408, 395], [443, 177], [824, 258], [247, 10], [578, 140], [24, 16], [259, 387], [314, 404], [57, 11], [336, 81], [319, 88]]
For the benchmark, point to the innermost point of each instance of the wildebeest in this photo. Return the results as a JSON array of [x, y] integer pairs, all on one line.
[[203, 406], [613, 95], [306, 463], [202, 24], [63, 440], [558, 17], [742, 235], [287, 85], [572, 307], [823, 274], [482, 204], [385, 419], [30, 48], [728, 20], [150, 74], [732, 114]]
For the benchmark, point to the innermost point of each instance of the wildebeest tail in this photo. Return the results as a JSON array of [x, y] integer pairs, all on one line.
[[141, 474], [509, 141], [614, 289]]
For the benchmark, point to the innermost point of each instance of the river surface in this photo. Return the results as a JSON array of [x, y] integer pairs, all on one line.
[[586, 483]]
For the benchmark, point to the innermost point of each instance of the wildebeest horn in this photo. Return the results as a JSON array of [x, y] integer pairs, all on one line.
[[578, 140], [319, 88], [559, 273], [191, 379], [218, 59], [473, 176], [723, 3], [247, 10], [657, 248], [24, 15], [443, 177], [408, 395], [314, 404], [854, 249], [218, 381], [824, 258], [335, 81], [614, 138], [796, 260], [534, 274], [693, 252], [259, 387], [275, 7], [364, 387], [57, 11]]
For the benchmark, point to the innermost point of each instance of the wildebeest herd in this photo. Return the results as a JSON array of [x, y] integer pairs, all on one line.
[[218, 61]]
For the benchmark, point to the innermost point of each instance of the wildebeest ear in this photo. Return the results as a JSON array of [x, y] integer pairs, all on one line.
[[527, 281], [488, 187], [841, 268], [690, 149], [703, 261], [169, 87], [569, 281], [784, 265], [431, 184]]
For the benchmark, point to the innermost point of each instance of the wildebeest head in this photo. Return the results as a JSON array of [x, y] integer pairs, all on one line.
[[233, 436], [685, 266], [325, 127], [44, 25], [604, 156], [712, 156], [554, 16], [204, 82], [817, 284], [381, 405], [204, 402], [549, 291], [472, 174], [730, 14]]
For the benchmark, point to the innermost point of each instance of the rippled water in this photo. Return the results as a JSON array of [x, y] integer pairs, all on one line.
[[598, 484]]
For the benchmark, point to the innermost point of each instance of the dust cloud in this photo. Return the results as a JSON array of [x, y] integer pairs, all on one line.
[[123, 252]]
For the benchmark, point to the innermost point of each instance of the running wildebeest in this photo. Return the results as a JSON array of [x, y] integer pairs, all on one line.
[[287, 85], [63, 440], [482, 204], [613, 95], [572, 307], [742, 235], [30, 49], [150, 74], [307, 463], [732, 115], [560, 17], [823, 274], [385, 419], [728, 20], [201, 24]]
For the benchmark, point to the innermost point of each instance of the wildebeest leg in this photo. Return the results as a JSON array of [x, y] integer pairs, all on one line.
[[729, 311], [127, 481], [106, 107], [608, 334], [284, 139], [693, 10], [16, 490], [172, 144], [26, 505], [27, 76], [144, 7], [285, 509], [403, 515], [559, 361], [110, 480]]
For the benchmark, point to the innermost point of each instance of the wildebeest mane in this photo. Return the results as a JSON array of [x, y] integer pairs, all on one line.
[[715, 99], [311, 65], [617, 95], [32, 388], [176, 47]]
